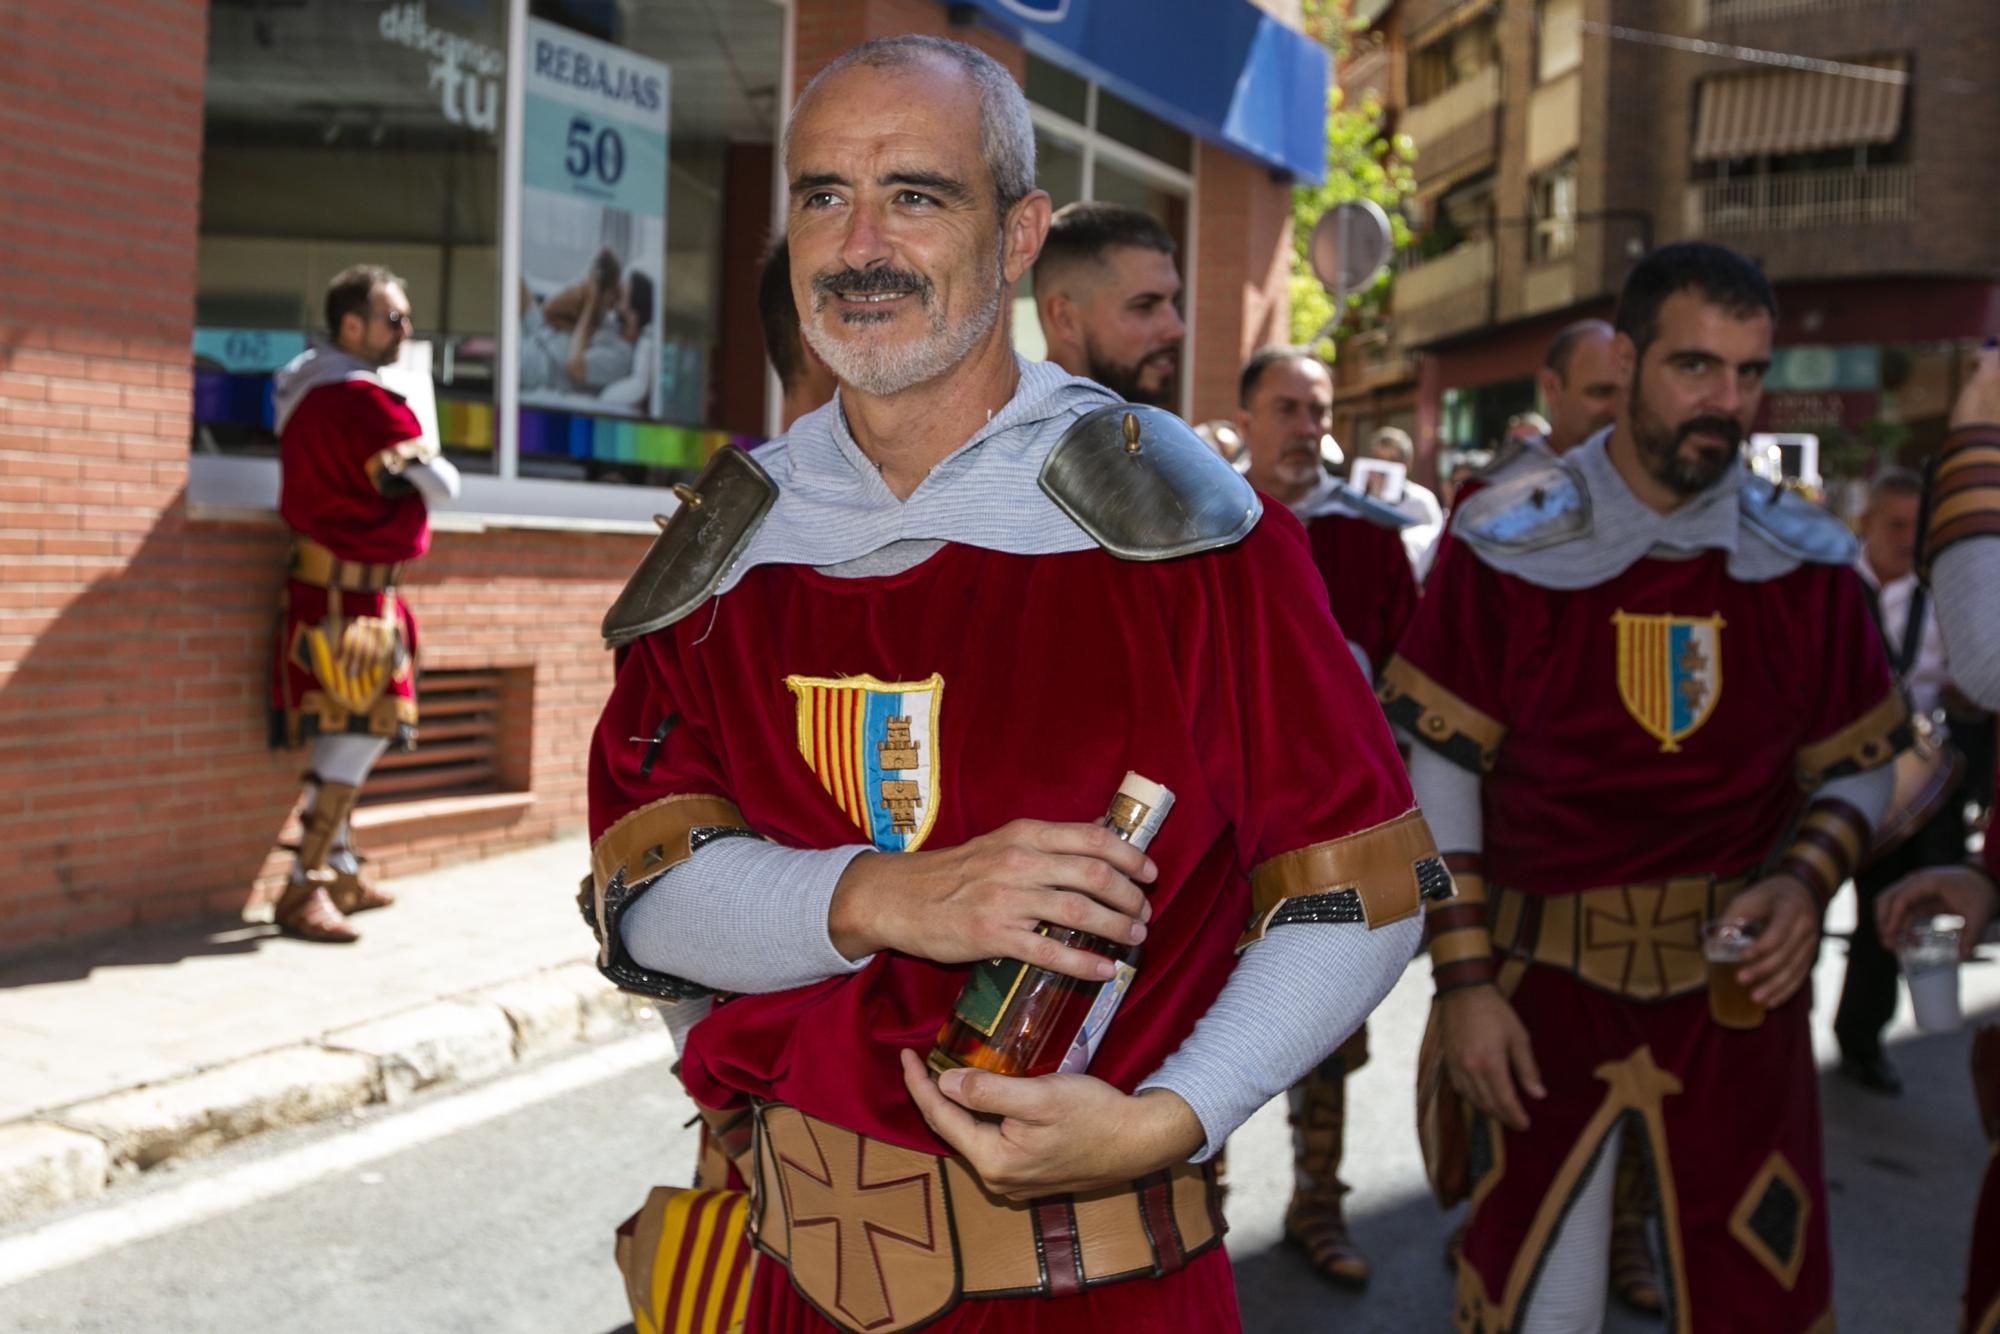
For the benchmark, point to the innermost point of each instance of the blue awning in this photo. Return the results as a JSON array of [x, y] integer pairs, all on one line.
[[1222, 70]]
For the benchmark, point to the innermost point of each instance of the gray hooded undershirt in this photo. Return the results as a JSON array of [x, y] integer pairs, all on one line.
[[746, 916]]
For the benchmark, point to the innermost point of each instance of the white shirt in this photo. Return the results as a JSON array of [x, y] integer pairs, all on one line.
[[1929, 672]]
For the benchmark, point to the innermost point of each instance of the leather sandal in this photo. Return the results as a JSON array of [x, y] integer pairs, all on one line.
[[1318, 1228], [354, 892], [307, 911]]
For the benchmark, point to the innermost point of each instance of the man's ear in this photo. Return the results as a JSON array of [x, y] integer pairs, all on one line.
[[1060, 326], [1625, 359], [1026, 227]]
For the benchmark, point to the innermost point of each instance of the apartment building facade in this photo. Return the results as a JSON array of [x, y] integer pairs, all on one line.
[[1837, 141]]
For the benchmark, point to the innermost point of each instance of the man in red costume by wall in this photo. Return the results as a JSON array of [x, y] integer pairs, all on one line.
[[877, 681], [359, 479], [1647, 696]]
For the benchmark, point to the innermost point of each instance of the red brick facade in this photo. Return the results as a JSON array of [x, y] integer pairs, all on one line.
[[135, 781]]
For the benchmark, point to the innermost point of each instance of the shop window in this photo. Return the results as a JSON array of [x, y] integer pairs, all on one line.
[[1553, 195], [337, 133]]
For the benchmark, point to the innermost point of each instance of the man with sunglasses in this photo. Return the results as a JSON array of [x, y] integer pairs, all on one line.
[[359, 480]]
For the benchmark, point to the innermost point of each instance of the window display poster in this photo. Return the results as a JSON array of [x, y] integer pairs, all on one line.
[[593, 225]]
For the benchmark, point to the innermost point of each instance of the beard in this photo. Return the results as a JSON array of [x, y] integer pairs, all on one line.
[[1127, 381], [882, 369], [1659, 446]]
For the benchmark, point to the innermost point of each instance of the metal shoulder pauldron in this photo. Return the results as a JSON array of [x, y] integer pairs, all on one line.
[[1794, 525], [1536, 509], [695, 548], [1146, 487]]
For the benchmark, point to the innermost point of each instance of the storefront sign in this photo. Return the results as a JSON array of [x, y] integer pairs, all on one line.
[[464, 72], [593, 225]]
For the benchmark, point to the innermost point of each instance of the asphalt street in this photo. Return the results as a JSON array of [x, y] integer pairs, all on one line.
[[491, 1210]]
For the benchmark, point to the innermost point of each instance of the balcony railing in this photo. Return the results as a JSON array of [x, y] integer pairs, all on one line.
[[1747, 11], [1369, 72], [1802, 199], [1461, 104]]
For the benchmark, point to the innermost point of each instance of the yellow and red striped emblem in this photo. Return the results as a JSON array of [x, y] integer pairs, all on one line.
[[873, 745], [1669, 672]]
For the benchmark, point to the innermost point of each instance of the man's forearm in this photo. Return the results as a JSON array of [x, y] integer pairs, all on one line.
[[742, 915], [1965, 580], [1294, 996]]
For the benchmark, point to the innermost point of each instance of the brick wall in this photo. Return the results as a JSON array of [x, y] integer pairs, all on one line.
[[1243, 245], [135, 783]]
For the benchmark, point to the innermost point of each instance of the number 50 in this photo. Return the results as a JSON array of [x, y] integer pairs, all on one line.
[[601, 154]]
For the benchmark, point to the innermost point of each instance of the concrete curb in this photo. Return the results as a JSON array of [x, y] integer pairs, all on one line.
[[76, 1152]]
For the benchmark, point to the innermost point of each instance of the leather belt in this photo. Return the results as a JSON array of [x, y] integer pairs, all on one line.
[[1639, 941], [317, 565], [882, 1238]]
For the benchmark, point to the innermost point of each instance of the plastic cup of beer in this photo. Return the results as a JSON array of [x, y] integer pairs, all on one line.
[[1928, 952], [1723, 944]]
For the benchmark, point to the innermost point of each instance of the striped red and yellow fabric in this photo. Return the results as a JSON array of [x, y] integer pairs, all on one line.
[[686, 1259]]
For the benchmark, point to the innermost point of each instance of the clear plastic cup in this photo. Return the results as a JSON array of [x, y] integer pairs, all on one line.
[[1729, 1003], [1928, 952]]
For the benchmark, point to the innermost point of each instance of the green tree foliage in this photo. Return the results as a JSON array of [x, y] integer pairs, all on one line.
[[1363, 161]]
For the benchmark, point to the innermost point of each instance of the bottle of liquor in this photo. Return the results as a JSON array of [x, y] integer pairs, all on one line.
[[1016, 1019]]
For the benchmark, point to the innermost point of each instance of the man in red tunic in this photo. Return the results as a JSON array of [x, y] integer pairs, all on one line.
[[1284, 410], [877, 682], [358, 478], [1647, 696]]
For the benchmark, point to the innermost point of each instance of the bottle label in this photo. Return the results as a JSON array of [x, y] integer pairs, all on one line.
[[1091, 1035], [988, 992]]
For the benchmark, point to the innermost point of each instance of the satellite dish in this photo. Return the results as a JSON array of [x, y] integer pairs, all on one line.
[[1350, 245]]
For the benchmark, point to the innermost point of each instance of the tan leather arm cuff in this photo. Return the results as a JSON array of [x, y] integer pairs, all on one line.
[[1461, 942], [1438, 718], [645, 842], [1963, 498], [1866, 743], [1384, 872]]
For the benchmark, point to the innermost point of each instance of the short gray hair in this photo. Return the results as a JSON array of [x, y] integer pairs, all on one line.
[[1006, 131]]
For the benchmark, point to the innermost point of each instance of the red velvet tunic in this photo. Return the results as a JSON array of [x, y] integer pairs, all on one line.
[[1369, 583], [1653, 728], [326, 495], [1221, 676]]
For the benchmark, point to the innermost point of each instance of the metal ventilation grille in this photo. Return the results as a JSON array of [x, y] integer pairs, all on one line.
[[458, 742]]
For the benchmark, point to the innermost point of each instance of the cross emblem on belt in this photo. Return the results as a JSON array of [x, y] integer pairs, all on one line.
[[1661, 954], [835, 1192]]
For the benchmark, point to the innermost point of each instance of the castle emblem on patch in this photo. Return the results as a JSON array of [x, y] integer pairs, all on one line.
[[1669, 673], [873, 746]]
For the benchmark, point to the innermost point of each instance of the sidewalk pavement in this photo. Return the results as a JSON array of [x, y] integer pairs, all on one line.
[[125, 1054]]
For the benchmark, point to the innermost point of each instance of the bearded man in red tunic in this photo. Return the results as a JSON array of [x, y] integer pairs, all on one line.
[[876, 682], [358, 480], [1648, 699]]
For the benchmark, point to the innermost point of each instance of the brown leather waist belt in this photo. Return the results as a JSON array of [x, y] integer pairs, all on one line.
[[881, 1238], [316, 565], [1638, 941]]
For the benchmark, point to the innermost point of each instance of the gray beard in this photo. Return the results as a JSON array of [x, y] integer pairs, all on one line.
[[881, 372]]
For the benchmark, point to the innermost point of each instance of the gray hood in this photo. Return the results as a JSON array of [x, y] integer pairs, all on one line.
[[310, 369], [834, 507]]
